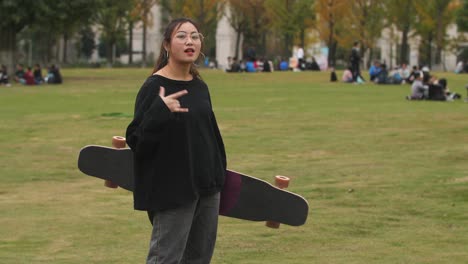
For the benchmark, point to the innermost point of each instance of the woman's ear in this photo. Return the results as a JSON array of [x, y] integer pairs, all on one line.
[[166, 46]]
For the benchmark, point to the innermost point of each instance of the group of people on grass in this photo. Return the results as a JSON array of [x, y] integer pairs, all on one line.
[[379, 74], [31, 76], [253, 64], [425, 86], [249, 65], [265, 65]]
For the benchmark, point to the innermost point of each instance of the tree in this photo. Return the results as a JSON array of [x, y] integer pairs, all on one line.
[[290, 19], [366, 23], [257, 27], [66, 17], [120, 46], [142, 12], [77, 15], [402, 14], [14, 18], [42, 21], [53, 20], [462, 17], [340, 23], [331, 14], [434, 16], [87, 44], [111, 16], [237, 18], [305, 18]]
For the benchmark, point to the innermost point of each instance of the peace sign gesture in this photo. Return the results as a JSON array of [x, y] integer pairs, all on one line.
[[171, 100]]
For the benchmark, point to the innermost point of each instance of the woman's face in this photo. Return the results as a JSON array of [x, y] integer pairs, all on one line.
[[185, 44]]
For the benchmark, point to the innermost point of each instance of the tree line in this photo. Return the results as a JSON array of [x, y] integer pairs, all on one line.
[[272, 27]]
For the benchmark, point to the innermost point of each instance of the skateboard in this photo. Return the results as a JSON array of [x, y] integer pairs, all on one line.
[[243, 197]]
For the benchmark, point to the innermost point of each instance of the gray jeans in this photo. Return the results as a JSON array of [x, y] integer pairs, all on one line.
[[186, 234]]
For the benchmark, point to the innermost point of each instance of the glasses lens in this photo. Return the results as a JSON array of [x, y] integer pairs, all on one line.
[[197, 37], [181, 36]]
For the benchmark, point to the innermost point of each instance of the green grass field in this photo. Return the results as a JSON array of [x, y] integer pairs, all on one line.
[[386, 179]]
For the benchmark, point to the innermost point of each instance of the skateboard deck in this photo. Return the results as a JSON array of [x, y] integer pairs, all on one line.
[[242, 197]]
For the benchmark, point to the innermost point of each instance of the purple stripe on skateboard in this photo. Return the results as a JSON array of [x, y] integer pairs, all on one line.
[[230, 193]]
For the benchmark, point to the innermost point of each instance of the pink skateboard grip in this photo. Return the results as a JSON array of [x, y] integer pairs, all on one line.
[[281, 182], [117, 142]]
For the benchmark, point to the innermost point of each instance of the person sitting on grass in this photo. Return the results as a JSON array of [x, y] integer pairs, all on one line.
[[29, 77], [4, 76], [427, 78], [250, 66], [235, 66], [267, 65], [404, 73], [375, 70], [383, 77], [413, 72], [347, 75], [419, 91], [19, 74], [38, 74], [459, 67], [395, 77], [283, 66], [449, 96], [53, 75], [333, 77]]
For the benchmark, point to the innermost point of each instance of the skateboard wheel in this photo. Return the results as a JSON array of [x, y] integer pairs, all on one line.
[[118, 142], [281, 182], [272, 224], [110, 184]]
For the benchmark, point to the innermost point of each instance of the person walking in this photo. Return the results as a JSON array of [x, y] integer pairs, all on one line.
[[179, 155], [355, 60]]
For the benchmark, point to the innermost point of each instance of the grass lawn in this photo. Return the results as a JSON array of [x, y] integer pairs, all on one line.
[[386, 178]]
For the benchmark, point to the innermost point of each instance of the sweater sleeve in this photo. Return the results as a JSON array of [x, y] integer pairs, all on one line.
[[151, 113], [219, 138], [220, 142]]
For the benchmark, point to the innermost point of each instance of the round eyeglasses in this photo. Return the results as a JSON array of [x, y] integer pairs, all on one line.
[[183, 36]]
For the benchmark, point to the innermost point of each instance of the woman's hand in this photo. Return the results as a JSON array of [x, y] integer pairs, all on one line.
[[171, 100]]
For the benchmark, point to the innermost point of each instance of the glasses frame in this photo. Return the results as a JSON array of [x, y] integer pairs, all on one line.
[[182, 36]]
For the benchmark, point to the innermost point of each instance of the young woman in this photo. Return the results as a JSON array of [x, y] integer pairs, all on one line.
[[179, 156]]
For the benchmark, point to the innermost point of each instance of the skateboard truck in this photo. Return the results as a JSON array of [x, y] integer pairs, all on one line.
[[281, 182], [118, 143]]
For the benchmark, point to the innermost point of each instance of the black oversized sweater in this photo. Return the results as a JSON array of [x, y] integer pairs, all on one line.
[[178, 157]]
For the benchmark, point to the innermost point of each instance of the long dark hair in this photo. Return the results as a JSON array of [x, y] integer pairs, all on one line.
[[163, 57]]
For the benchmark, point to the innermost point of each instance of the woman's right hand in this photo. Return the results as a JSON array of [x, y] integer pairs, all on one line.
[[171, 100]]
